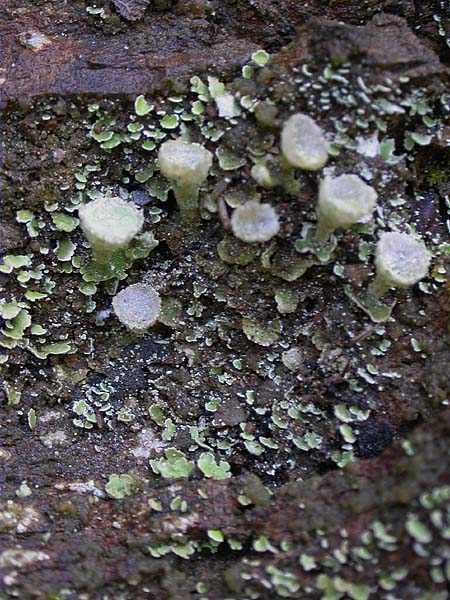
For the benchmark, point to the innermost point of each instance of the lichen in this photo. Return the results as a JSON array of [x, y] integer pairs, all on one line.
[[137, 306], [219, 436]]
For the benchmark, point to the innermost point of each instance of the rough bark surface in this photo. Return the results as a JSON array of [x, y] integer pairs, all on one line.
[[322, 474]]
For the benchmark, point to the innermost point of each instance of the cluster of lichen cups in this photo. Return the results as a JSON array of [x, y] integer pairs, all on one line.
[[110, 223], [401, 259]]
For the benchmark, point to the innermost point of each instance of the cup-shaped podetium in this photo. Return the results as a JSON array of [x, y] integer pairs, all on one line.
[[343, 201], [137, 306], [263, 176], [401, 261], [254, 222], [303, 143], [109, 224], [186, 165]]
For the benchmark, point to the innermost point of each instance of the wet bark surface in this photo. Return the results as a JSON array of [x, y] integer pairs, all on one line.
[[50, 48]]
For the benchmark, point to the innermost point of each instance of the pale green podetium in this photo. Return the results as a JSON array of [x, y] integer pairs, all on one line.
[[343, 201], [303, 143], [109, 224], [137, 306], [186, 166], [262, 175], [401, 261], [254, 222]]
